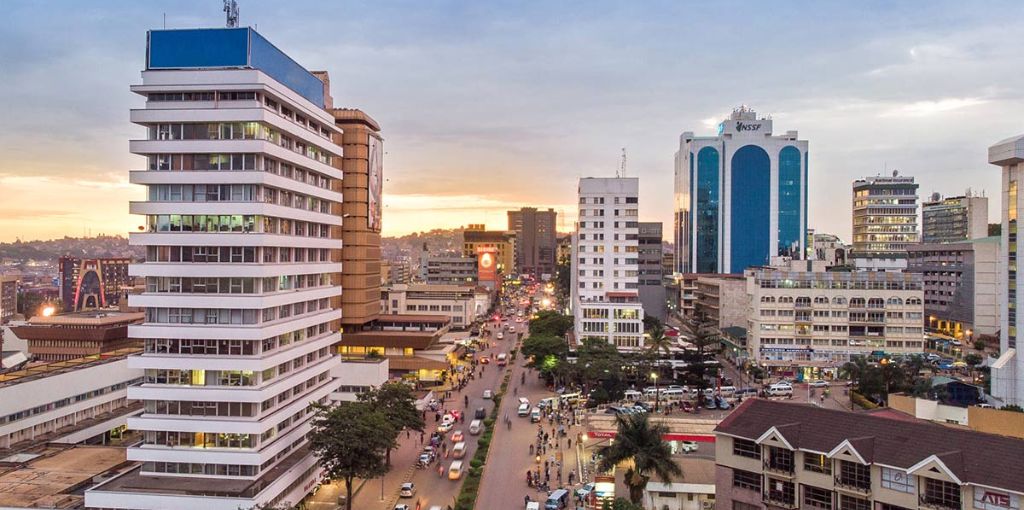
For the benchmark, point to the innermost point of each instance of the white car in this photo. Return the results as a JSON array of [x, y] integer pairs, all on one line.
[[818, 384], [408, 490], [444, 427], [780, 389], [688, 446], [488, 394], [401, 507]]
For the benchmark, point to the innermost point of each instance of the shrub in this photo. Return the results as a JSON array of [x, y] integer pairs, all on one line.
[[862, 401]]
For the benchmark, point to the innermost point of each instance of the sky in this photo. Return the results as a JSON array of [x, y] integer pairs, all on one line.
[[489, 106]]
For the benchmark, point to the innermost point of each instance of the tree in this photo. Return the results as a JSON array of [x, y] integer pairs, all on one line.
[[641, 442], [620, 504], [980, 345], [696, 367], [658, 343], [973, 360], [546, 352], [349, 440], [651, 322], [552, 323], [396, 401]]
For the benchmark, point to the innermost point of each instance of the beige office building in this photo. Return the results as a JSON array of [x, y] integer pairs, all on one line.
[[805, 319]]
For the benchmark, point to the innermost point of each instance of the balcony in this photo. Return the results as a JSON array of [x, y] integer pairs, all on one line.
[[935, 504], [779, 500], [780, 468], [850, 486]]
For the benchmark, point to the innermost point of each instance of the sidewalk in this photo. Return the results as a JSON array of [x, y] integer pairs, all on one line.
[[367, 493]]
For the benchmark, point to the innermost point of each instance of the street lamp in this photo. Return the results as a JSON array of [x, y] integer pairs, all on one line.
[[657, 394]]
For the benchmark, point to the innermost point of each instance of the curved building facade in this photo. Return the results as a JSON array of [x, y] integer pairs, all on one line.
[[740, 196]]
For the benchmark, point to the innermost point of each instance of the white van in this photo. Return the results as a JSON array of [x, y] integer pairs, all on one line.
[[535, 415], [727, 391], [571, 398], [780, 389], [650, 392], [475, 427], [632, 395], [673, 394], [524, 410]]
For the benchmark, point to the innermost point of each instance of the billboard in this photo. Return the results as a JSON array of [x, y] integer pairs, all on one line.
[[487, 264], [375, 183]]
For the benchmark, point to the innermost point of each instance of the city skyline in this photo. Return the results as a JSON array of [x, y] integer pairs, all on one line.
[[913, 91]]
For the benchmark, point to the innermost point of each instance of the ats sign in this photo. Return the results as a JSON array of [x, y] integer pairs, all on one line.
[[988, 499]]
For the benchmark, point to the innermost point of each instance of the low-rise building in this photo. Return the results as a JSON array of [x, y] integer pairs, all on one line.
[[448, 270], [461, 303], [721, 300], [961, 285], [78, 334], [54, 475], [81, 400], [411, 344], [783, 455], [807, 322], [695, 490]]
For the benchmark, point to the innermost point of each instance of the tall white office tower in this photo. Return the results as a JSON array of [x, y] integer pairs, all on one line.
[[241, 230], [1008, 370], [605, 263], [740, 196]]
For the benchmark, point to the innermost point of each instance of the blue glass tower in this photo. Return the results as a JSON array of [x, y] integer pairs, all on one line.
[[741, 196]]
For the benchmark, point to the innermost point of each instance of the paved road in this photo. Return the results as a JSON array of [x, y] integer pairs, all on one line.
[[431, 488], [504, 479]]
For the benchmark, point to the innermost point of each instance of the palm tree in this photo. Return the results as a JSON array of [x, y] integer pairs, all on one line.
[[658, 342], [639, 441]]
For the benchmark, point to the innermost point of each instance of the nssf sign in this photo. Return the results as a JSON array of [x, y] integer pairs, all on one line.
[[745, 126]]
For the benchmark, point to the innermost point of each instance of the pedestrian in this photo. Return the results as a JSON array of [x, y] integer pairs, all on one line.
[[421, 438]]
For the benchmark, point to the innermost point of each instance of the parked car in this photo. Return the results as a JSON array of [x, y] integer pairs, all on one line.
[[583, 492], [780, 389], [709, 403], [687, 407], [457, 436], [408, 490], [688, 446], [818, 383], [488, 394], [722, 403]]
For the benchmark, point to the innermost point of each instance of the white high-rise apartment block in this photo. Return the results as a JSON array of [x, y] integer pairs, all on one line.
[[605, 253], [1008, 370], [240, 227]]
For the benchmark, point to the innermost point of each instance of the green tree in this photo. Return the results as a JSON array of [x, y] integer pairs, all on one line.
[[980, 345], [396, 401], [651, 322], [546, 352], [549, 322], [658, 343], [620, 504], [703, 340], [349, 440], [639, 441]]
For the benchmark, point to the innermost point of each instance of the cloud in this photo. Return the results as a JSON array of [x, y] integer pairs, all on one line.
[[927, 108]]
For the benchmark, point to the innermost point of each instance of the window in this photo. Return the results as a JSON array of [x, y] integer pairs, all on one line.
[[816, 497], [779, 459], [941, 493], [887, 506], [852, 474], [745, 448], [852, 503], [780, 491], [746, 480], [898, 480], [817, 463]]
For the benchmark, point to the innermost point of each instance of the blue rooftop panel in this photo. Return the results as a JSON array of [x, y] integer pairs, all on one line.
[[206, 48]]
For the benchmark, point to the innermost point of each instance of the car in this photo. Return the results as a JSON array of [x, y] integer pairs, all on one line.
[[479, 414], [687, 407], [408, 490], [688, 446], [488, 394], [500, 335], [456, 414], [818, 383], [709, 403], [722, 403], [511, 328], [444, 427], [401, 507], [780, 389], [583, 492]]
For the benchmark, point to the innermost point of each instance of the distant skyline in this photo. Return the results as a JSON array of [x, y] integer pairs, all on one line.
[[487, 107]]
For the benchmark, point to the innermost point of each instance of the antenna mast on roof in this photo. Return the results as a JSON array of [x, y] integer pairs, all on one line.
[[621, 171], [231, 10]]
